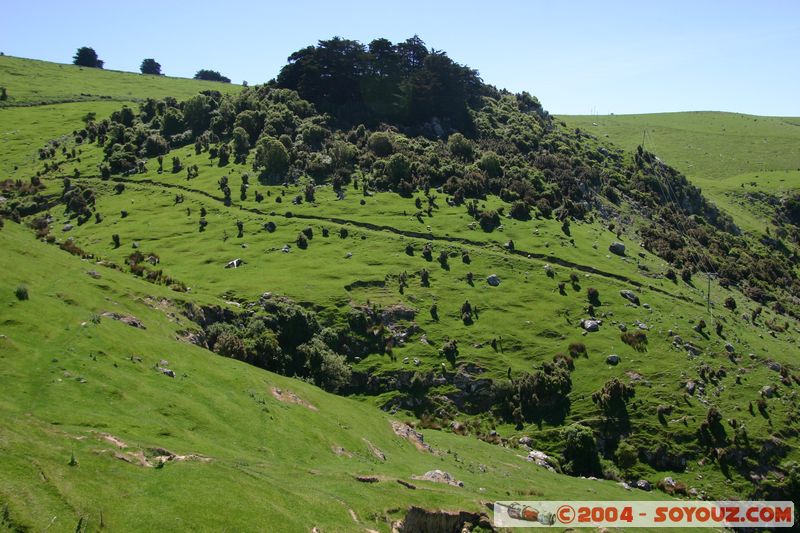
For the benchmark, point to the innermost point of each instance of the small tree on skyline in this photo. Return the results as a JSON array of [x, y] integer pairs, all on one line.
[[150, 66], [87, 57]]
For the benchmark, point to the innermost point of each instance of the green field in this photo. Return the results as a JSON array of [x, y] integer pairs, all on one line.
[[718, 151], [86, 411]]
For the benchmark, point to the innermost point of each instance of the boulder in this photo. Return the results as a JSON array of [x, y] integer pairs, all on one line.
[[590, 324], [525, 441], [630, 296], [493, 280], [439, 476], [67, 227], [612, 359], [236, 263], [643, 484], [541, 459], [729, 347], [617, 248], [768, 391]]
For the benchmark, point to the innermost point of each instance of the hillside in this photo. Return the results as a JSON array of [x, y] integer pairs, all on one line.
[[501, 281], [722, 153]]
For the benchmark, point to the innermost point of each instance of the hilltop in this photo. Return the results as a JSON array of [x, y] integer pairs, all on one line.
[[484, 273]]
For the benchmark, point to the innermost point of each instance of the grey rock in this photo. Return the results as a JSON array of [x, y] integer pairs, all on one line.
[[617, 248], [67, 227], [525, 441], [493, 280], [729, 347], [630, 296], [590, 324], [612, 359], [236, 263], [643, 484]]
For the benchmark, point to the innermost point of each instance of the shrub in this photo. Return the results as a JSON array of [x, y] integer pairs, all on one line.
[[635, 339], [302, 241], [626, 455], [21, 292], [450, 348], [543, 395], [271, 157], [381, 144], [580, 451], [211, 75], [730, 303], [577, 349], [613, 398], [309, 232], [593, 295], [520, 210], [460, 146]]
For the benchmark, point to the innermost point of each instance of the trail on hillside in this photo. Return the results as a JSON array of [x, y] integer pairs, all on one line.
[[417, 235]]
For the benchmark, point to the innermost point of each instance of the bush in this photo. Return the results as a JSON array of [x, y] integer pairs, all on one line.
[[580, 451], [593, 295], [302, 241], [21, 292], [520, 210], [210, 75], [460, 146], [613, 398], [577, 349], [381, 144], [271, 157], [635, 339], [543, 395], [626, 455], [730, 303]]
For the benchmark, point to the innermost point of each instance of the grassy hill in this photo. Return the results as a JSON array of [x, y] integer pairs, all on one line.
[[719, 152], [80, 384], [57, 83], [80, 381]]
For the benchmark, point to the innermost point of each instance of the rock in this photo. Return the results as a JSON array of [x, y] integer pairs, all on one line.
[[541, 459], [617, 248], [125, 319], [439, 476], [623, 328], [775, 367], [630, 296], [768, 391], [643, 484], [590, 324], [690, 387], [286, 248], [236, 263], [166, 371], [612, 359], [692, 349], [67, 227], [646, 306], [668, 482], [525, 441], [729, 347], [493, 280], [348, 255], [94, 274]]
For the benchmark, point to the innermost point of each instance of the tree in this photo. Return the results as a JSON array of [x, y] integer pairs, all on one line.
[[580, 451], [87, 57], [271, 156], [150, 66], [211, 75]]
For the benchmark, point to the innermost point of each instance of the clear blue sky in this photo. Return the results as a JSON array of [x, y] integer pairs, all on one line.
[[577, 57]]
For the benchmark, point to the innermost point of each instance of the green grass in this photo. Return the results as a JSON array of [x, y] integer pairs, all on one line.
[[69, 380], [68, 376], [717, 151], [56, 83]]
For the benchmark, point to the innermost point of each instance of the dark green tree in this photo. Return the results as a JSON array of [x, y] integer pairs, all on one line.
[[150, 66], [87, 57]]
